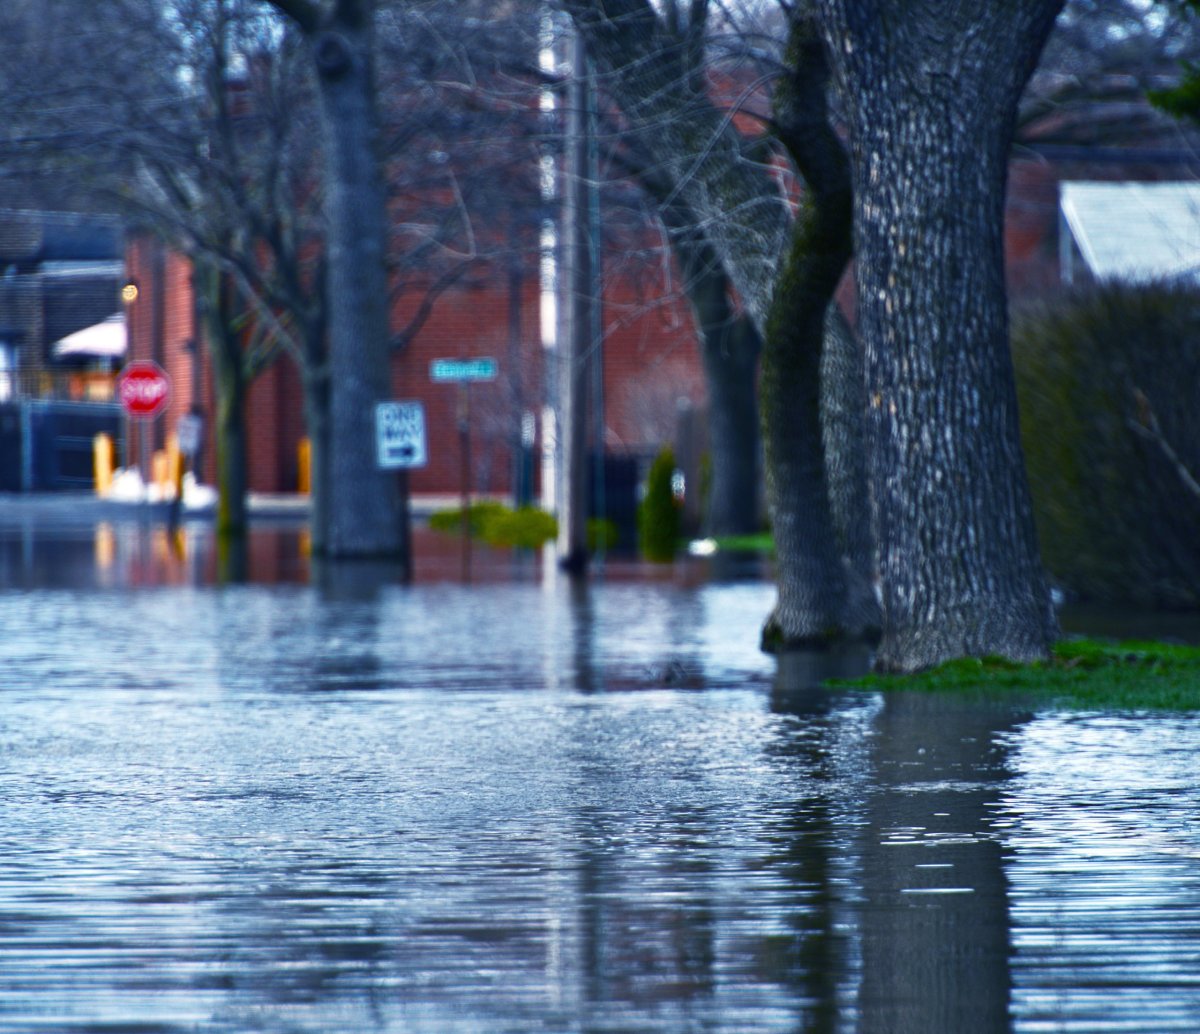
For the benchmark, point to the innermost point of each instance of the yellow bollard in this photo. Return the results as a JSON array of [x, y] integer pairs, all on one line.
[[160, 468], [304, 471], [173, 487], [103, 463]]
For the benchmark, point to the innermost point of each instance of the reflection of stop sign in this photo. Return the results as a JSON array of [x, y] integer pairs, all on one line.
[[143, 388]]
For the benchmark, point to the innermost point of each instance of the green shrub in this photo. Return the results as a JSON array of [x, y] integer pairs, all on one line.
[[478, 515], [497, 525], [526, 528], [658, 512], [1095, 373]]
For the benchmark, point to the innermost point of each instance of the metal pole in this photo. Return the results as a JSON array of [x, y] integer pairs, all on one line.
[[464, 444], [579, 284], [144, 464]]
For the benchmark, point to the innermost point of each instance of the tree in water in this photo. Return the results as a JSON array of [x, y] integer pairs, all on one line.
[[930, 97], [811, 402], [365, 509]]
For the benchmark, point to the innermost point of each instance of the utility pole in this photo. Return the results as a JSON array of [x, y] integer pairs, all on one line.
[[577, 314]]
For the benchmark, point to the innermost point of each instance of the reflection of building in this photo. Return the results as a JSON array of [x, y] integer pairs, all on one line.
[[62, 338]]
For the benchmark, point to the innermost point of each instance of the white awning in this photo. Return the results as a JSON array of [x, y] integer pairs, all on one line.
[[104, 340], [1134, 231]]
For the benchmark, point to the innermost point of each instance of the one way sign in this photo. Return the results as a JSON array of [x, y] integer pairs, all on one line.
[[400, 435]]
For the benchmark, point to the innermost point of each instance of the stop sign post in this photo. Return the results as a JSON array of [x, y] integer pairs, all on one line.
[[144, 389]]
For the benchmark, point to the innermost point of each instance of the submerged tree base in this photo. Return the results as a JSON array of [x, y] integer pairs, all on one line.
[[849, 633], [1082, 673]]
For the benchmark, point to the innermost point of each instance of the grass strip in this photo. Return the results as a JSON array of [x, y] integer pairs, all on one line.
[[1084, 674]]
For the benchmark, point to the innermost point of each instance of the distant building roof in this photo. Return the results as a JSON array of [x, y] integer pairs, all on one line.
[[1134, 231], [104, 340]]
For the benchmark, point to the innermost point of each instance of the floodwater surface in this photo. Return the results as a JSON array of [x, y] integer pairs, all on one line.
[[365, 806]]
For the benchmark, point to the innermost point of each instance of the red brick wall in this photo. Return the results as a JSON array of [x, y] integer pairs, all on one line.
[[471, 322]]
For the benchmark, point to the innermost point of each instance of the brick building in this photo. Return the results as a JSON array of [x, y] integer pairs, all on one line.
[[650, 362]]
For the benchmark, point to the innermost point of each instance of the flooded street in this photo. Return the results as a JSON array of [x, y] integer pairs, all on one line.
[[327, 801]]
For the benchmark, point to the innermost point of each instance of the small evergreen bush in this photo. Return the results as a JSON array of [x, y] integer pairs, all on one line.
[[658, 512]]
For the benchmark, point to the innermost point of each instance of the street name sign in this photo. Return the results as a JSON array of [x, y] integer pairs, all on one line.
[[400, 435], [483, 368], [143, 389]]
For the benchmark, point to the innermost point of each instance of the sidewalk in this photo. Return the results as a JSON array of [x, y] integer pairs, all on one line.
[[86, 507]]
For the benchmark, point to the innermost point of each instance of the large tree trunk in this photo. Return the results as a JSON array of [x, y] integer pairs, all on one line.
[[815, 602], [843, 403], [931, 97], [657, 78], [363, 502], [577, 301]]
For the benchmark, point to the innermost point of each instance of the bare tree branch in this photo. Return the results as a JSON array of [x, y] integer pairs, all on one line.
[[1145, 425]]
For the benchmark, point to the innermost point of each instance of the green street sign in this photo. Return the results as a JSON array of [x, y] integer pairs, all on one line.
[[482, 369]]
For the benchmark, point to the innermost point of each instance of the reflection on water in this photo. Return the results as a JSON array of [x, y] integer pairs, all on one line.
[[343, 803], [131, 553]]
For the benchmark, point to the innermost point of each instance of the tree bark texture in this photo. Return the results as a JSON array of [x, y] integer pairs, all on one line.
[[842, 432], [931, 97], [365, 509], [812, 588]]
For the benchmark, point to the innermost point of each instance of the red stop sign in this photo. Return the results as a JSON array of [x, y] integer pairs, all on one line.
[[143, 388]]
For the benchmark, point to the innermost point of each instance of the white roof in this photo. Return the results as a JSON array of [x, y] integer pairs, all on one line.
[[1135, 231], [104, 340]]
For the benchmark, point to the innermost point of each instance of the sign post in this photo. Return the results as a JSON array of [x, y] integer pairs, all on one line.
[[462, 372], [144, 389], [400, 445]]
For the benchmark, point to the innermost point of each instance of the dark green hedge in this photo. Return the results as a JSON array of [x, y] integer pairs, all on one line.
[[1109, 386]]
